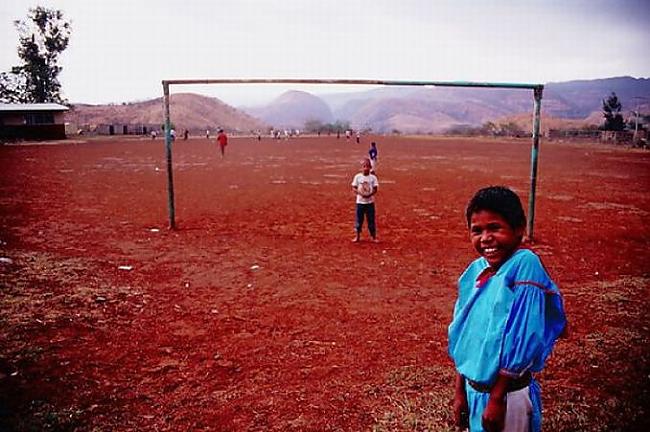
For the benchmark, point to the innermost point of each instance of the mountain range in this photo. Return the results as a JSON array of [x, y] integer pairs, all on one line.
[[385, 109], [292, 110], [187, 110]]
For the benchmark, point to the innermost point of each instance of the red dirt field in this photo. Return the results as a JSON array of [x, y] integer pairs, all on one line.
[[259, 314]]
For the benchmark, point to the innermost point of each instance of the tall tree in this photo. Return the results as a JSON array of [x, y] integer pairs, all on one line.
[[43, 36], [12, 88], [612, 113]]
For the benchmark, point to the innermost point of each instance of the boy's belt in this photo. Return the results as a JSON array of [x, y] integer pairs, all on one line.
[[513, 385]]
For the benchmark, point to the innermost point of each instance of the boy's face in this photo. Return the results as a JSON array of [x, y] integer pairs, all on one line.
[[493, 238], [365, 166]]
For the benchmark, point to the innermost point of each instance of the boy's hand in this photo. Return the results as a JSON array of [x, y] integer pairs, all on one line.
[[494, 416]]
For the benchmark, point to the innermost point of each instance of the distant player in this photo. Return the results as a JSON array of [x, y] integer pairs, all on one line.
[[222, 139], [372, 153], [365, 187], [207, 134], [358, 137]]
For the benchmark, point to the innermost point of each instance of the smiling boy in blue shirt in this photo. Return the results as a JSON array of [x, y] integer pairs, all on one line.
[[506, 320]]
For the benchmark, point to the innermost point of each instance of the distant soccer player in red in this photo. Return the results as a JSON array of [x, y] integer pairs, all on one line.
[[222, 139]]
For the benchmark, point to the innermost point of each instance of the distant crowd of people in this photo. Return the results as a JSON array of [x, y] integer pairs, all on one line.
[[272, 133]]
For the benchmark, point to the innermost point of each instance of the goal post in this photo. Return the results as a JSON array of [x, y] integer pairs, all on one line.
[[537, 103]]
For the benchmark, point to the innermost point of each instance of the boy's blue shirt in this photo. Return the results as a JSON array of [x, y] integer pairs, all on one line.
[[510, 323]]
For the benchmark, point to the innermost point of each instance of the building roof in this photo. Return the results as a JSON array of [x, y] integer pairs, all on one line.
[[5, 107]]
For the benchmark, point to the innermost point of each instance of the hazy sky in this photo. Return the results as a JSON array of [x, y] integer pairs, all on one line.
[[121, 50]]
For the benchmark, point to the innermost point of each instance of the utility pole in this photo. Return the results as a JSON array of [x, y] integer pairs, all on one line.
[[636, 118]]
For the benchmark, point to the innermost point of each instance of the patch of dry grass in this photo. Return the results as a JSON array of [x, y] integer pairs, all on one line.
[[44, 292], [418, 399]]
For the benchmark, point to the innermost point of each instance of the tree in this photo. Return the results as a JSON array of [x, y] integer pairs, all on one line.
[[511, 129], [42, 37], [612, 113], [490, 128], [317, 126], [12, 88], [314, 126]]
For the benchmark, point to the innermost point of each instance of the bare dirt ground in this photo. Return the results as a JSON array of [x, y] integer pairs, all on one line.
[[259, 314]]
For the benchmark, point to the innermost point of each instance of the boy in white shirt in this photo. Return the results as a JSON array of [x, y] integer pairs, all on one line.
[[365, 186]]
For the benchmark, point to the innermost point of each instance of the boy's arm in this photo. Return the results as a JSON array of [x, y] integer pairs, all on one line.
[[461, 409], [494, 416]]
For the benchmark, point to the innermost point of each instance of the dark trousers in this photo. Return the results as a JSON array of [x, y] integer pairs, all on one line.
[[369, 211]]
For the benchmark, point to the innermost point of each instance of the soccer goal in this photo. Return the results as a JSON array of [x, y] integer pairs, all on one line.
[[537, 103]]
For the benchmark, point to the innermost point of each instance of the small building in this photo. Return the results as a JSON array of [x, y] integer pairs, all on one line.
[[38, 121], [120, 129]]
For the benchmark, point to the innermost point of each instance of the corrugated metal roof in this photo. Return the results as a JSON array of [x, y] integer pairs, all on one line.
[[5, 107]]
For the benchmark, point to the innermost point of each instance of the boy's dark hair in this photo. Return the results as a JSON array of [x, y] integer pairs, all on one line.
[[500, 200]]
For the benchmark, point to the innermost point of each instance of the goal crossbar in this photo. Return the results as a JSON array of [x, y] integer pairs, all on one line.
[[356, 82], [537, 102]]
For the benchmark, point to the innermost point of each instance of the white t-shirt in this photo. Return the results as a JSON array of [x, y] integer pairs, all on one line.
[[365, 185]]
